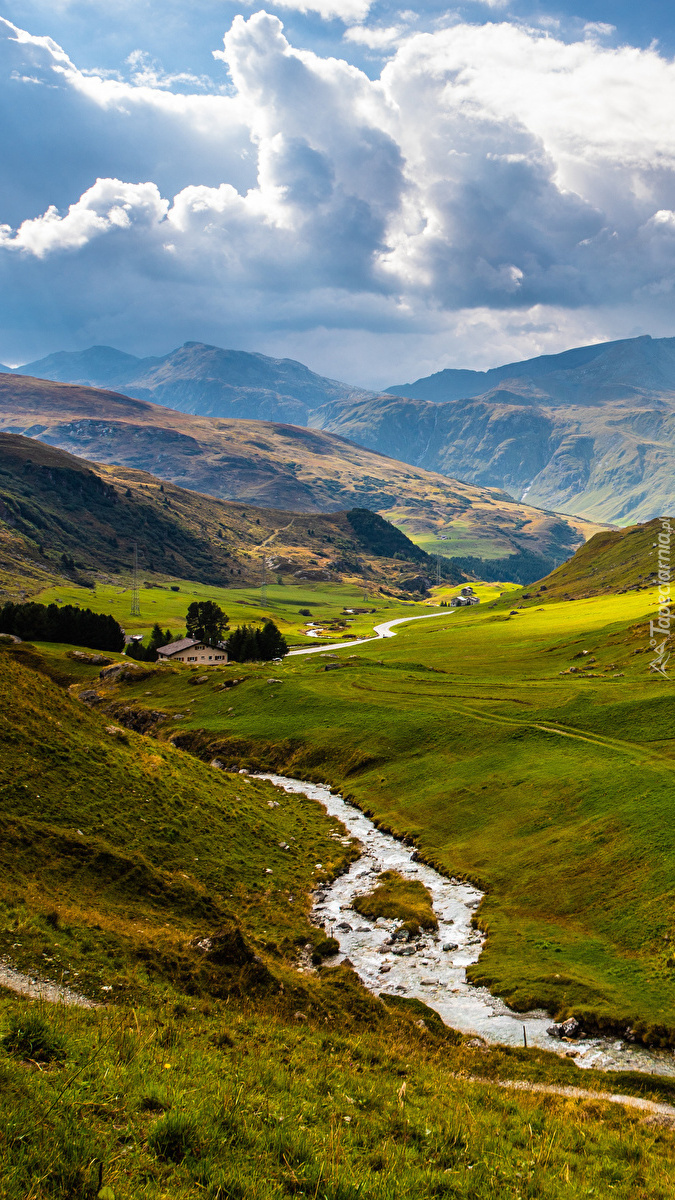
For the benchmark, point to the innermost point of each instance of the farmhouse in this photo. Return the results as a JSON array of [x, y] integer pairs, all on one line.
[[189, 650], [466, 596]]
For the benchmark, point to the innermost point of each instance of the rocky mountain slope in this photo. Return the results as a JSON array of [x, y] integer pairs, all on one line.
[[586, 374], [591, 431], [284, 467]]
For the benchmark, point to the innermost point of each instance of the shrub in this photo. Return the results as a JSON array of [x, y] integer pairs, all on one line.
[[174, 1138], [30, 1036]]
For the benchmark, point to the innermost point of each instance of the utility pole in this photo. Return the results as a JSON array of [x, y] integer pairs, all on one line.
[[263, 582], [438, 570], [135, 601]]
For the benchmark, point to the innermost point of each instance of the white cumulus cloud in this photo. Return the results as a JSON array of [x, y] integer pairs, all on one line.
[[375, 37], [108, 205], [489, 169]]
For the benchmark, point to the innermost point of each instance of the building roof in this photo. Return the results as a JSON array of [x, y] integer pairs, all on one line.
[[176, 647]]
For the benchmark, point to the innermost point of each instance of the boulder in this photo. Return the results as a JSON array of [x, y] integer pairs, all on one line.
[[95, 660], [571, 1028], [89, 697], [122, 671]]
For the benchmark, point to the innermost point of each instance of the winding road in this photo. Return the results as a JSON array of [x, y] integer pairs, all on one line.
[[381, 631]]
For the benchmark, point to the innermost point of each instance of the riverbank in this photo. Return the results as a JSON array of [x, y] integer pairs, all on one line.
[[435, 972]]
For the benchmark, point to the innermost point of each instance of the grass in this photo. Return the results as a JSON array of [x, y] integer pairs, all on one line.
[[31, 1036], [220, 1063], [296, 1109], [406, 900], [549, 790], [243, 605]]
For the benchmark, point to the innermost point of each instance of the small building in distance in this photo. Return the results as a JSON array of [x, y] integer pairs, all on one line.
[[466, 596], [189, 650]]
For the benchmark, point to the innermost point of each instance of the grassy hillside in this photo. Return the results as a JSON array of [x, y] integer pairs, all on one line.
[[222, 1063], [53, 504], [610, 562], [538, 770], [283, 467]]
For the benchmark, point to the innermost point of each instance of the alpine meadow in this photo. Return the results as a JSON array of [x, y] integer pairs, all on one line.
[[337, 752]]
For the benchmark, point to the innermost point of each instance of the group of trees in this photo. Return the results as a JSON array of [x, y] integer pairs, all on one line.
[[51, 623], [206, 622], [248, 644]]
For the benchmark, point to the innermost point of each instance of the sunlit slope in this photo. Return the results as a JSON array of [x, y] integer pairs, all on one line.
[[611, 561], [277, 466], [139, 847], [552, 790], [64, 517]]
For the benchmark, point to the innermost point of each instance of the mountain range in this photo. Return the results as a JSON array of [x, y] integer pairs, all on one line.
[[589, 432], [288, 467], [203, 380]]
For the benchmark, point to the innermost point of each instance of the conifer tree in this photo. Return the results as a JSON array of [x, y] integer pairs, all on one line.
[[206, 621]]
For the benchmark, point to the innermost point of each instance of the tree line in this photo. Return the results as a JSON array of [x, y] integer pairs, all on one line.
[[75, 626], [67, 623]]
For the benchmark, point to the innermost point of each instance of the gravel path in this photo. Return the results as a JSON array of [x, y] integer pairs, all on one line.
[[655, 1109], [39, 989]]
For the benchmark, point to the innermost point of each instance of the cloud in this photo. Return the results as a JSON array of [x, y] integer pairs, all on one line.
[[491, 169], [344, 10], [598, 29], [108, 205], [376, 38]]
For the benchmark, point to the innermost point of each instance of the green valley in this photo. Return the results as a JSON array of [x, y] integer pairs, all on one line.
[[177, 896], [478, 736], [522, 744]]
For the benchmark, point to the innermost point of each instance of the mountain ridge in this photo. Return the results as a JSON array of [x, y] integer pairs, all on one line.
[[285, 467], [589, 432], [202, 380], [451, 384]]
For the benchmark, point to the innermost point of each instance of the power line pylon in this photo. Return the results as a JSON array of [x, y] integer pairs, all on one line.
[[263, 582]]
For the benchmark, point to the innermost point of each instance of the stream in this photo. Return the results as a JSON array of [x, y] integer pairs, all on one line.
[[435, 971]]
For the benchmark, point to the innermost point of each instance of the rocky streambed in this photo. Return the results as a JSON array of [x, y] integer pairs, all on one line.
[[432, 968]]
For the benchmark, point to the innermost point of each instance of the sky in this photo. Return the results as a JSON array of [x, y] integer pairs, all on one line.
[[378, 191]]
